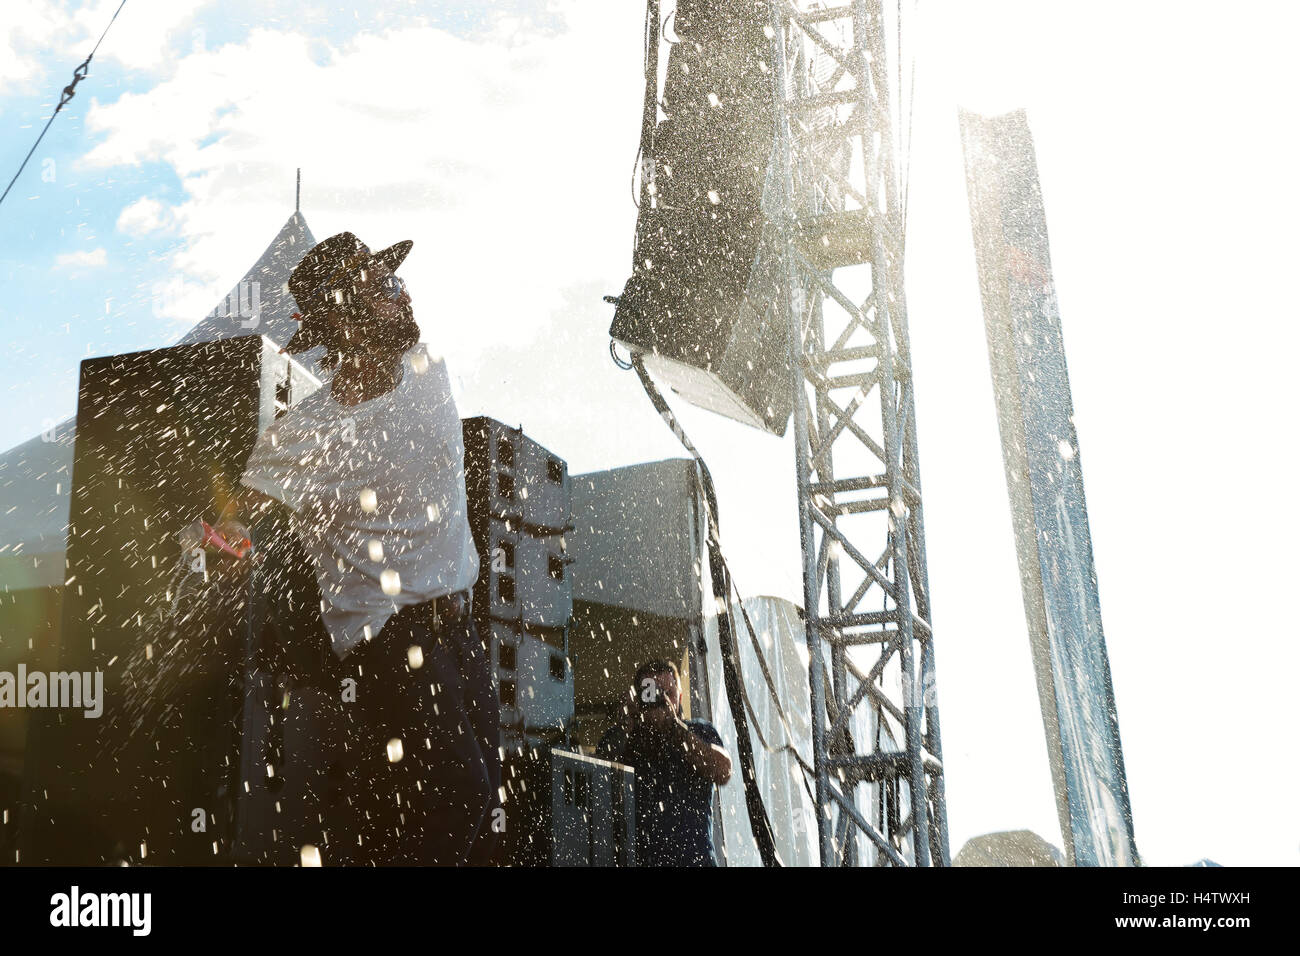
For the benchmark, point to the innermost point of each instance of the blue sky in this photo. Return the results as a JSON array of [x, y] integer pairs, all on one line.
[[58, 309], [500, 137]]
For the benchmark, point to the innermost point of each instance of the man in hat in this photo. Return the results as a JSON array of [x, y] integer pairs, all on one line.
[[372, 470]]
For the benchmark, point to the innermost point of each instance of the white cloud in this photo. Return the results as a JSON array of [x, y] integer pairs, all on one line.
[[82, 260], [28, 29], [144, 216], [144, 37], [500, 156], [146, 33]]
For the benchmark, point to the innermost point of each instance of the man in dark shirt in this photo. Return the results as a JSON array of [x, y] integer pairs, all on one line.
[[677, 764]]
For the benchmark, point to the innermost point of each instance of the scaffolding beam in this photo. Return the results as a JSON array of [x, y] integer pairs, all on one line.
[[835, 207]]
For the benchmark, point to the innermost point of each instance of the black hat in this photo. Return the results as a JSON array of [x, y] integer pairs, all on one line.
[[327, 262]]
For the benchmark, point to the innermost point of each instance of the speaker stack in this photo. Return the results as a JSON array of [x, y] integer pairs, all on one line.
[[520, 508], [162, 437]]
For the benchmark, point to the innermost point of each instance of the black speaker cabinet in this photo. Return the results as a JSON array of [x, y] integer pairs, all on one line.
[[496, 593], [162, 438], [523, 578], [545, 584], [567, 809], [508, 476], [534, 683]]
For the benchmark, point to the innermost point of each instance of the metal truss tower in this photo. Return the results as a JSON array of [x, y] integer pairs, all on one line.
[[837, 216]]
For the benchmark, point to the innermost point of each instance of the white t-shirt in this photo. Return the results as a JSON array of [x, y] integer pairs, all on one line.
[[378, 492]]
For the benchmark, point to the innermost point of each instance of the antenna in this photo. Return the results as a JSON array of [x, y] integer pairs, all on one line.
[[297, 196]]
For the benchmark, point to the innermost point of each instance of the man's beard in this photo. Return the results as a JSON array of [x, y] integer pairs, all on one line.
[[368, 336]]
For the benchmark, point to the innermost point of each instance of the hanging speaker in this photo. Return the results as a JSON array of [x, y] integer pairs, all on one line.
[[700, 304]]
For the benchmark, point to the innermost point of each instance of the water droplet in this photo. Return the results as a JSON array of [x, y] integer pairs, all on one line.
[[369, 500], [415, 657], [309, 855], [391, 582], [395, 752], [376, 548]]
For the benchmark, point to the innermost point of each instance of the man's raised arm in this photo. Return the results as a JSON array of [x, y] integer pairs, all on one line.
[[709, 760], [706, 758]]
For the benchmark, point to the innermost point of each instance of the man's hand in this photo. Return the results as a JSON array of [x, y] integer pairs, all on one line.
[[230, 535], [231, 539], [234, 535], [658, 719], [667, 730], [709, 761]]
